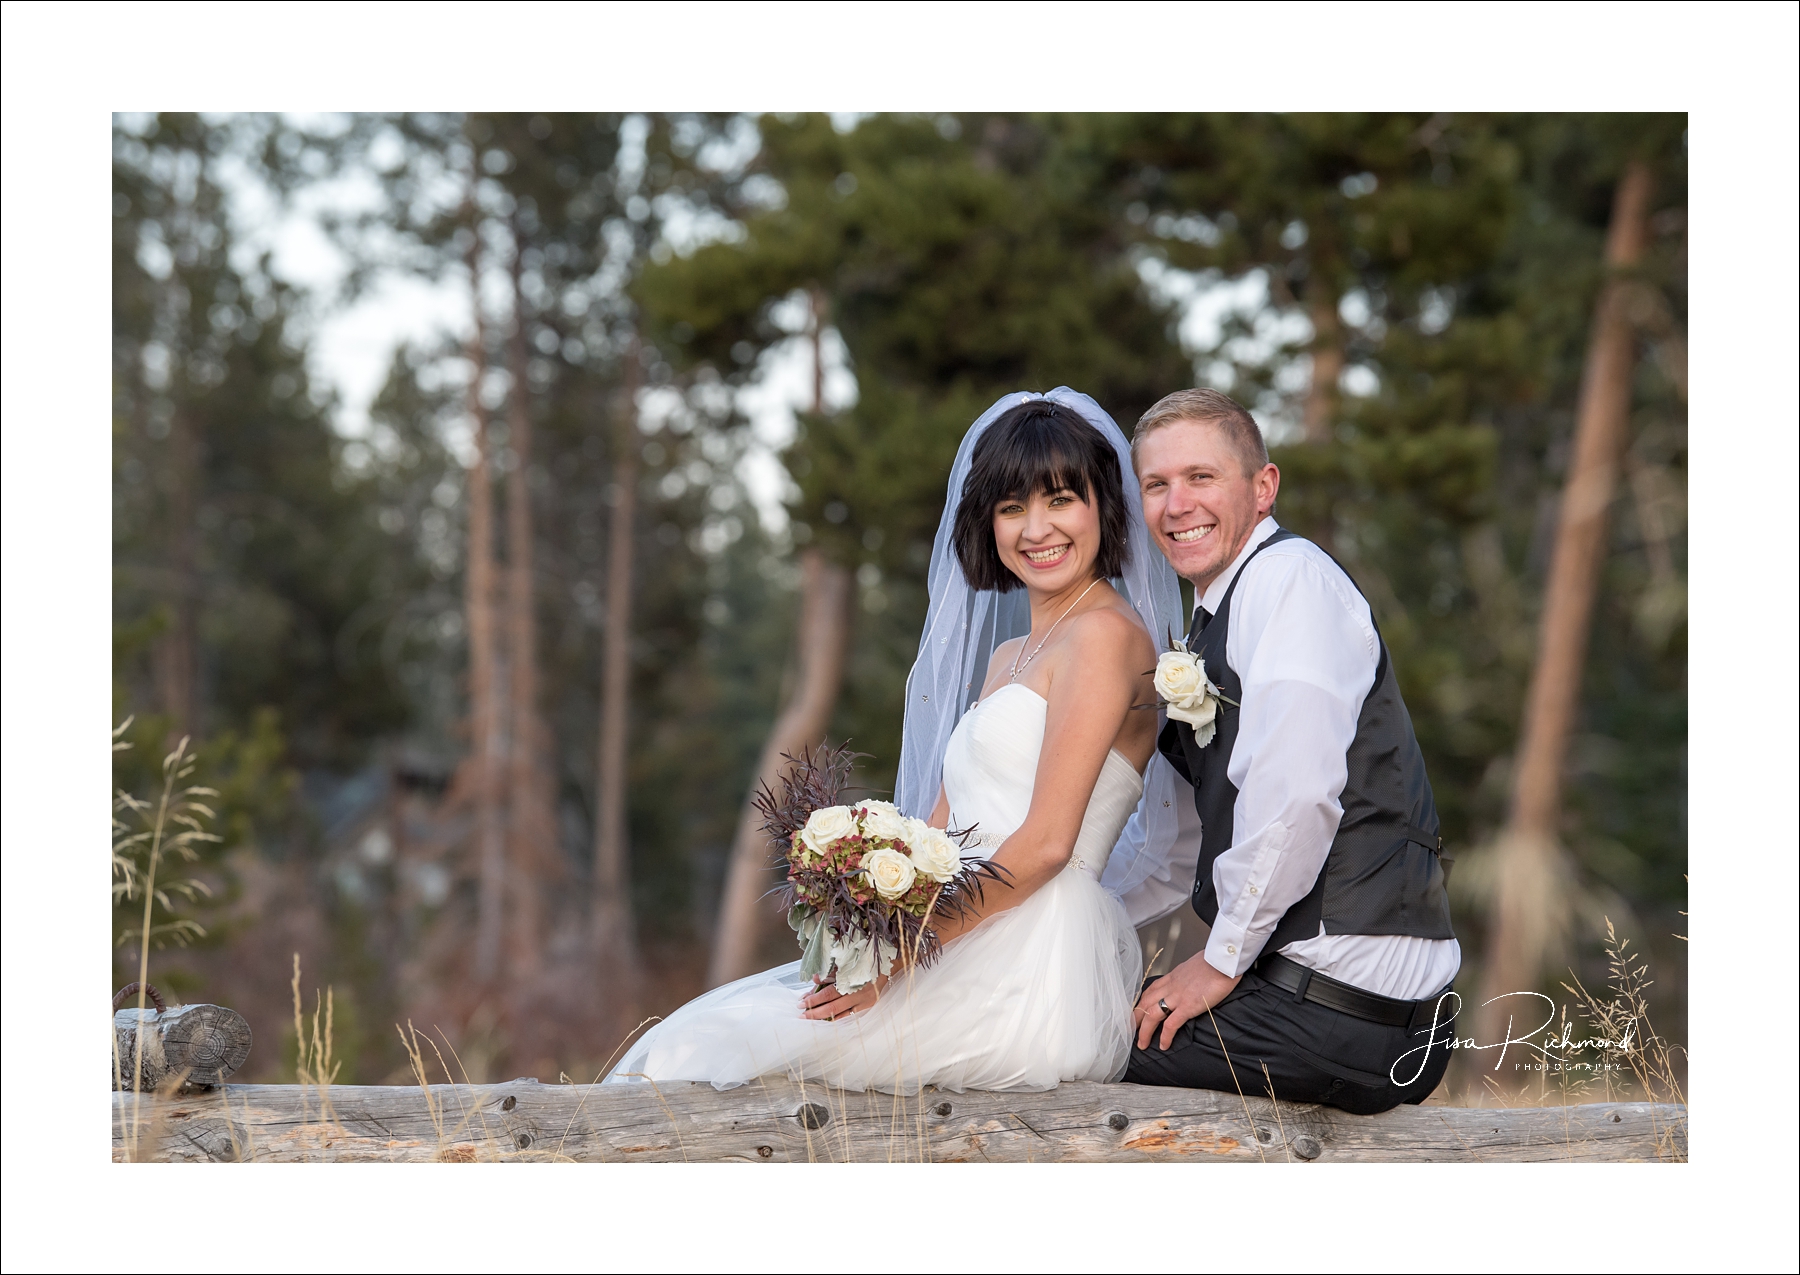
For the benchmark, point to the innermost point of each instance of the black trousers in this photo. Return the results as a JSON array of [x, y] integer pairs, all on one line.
[[1313, 1053]]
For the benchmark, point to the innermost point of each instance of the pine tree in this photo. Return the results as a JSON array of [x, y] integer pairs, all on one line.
[[1464, 256], [239, 541], [958, 259]]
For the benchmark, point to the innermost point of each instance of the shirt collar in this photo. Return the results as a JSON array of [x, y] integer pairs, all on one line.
[[1215, 592]]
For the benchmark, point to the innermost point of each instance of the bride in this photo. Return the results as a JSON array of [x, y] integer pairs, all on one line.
[[1033, 741]]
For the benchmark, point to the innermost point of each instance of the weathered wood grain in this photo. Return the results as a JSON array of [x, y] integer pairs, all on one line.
[[781, 1122], [203, 1044]]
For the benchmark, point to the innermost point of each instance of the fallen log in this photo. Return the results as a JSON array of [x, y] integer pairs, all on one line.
[[776, 1121], [197, 1045]]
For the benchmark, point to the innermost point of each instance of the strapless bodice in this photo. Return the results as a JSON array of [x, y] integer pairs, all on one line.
[[990, 768], [1038, 994]]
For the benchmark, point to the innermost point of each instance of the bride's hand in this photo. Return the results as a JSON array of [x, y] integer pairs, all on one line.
[[827, 1003]]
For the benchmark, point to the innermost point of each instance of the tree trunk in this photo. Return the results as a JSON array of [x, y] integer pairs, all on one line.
[[615, 942], [176, 660], [1528, 906], [1327, 365], [744, 915], [532, 822], [819, 304], [487, 743]]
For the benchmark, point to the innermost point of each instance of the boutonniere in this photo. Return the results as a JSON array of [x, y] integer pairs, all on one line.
[[1187, 693]]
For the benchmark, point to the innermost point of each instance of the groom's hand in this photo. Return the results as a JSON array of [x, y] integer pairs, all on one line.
[[1189, 990]]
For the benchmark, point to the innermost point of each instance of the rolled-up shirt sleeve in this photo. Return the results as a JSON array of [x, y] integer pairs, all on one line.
[[1305, 651]]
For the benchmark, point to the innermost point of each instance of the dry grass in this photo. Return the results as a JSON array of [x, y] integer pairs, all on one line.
[[1603, 1049], [1635, 1064], [146, 834], [1621, 1017]]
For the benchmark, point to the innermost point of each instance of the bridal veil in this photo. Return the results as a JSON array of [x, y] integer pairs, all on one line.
[[964, 625]]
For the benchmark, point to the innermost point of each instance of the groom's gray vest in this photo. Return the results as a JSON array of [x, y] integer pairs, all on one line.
[[1383, 874]]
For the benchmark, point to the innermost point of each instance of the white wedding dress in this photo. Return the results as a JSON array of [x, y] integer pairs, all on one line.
[[1032, 996]]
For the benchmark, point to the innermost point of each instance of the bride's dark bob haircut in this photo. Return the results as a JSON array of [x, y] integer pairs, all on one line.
[[1037, 447]]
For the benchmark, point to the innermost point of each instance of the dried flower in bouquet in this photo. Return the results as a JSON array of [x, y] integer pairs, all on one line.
[[863, 880]]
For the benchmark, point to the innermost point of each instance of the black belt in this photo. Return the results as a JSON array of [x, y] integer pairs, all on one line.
[[1310, 985]]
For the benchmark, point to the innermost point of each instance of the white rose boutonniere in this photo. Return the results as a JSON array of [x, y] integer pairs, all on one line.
[[1187, 693], [825, 826]]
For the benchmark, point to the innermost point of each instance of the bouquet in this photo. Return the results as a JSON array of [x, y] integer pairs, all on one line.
[[863, 880]]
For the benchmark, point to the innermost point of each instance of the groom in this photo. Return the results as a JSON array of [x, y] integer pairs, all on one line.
[[1319, 868]]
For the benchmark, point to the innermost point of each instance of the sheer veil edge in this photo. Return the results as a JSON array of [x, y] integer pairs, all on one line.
[[964, 625]]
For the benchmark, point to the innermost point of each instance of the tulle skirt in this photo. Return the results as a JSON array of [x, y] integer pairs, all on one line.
[[1032, 996]]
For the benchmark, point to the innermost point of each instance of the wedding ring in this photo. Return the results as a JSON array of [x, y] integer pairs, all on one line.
[[1163, 1005]]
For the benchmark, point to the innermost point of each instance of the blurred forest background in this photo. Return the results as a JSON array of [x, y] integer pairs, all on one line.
[[485, 680]]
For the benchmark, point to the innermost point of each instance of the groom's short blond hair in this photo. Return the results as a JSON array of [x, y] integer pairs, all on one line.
[[1207, 407]]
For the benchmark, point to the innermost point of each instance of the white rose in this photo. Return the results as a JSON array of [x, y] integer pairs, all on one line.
[[884, 821], [1179, 675], [934, 854], [916, 832], [889, 871], [826, 825], [1198, 711], [1188, 693]]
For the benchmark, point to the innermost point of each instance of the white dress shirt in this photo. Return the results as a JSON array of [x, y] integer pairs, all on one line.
[[1304, 648]]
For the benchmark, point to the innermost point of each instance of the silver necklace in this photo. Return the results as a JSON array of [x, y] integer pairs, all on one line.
[[1019, 668]]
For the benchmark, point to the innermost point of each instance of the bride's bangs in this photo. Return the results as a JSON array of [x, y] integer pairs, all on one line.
[[1037, 448], [1038, 466]]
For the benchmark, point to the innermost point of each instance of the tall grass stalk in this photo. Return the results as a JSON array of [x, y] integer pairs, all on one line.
[[314, 1066], [1622, 1019], [172, 827]]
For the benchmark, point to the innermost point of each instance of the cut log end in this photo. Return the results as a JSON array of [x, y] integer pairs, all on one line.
[[196, 1046]]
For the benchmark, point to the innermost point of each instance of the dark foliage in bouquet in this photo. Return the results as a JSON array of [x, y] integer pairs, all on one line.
[[863, 880], [812, 781]]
